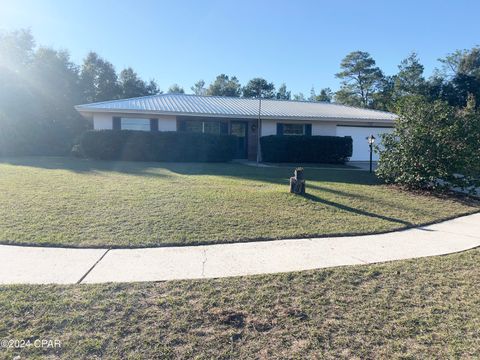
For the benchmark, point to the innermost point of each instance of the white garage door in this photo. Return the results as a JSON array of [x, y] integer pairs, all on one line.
[[361, 151]]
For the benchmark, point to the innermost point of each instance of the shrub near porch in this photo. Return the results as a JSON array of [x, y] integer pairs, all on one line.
[[64, 201]]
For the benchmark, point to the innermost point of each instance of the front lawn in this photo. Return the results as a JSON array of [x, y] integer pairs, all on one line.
[[417, 309], [75, 202]]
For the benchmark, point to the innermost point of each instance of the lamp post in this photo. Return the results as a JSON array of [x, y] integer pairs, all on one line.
[[259, 129], [371, 140]]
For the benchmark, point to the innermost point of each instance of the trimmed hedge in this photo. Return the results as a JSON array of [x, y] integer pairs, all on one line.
[[157, 146], [317, 149]]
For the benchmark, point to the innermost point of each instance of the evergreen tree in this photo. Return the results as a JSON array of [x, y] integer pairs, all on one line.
[[225, 86], [326, 95], [199, 88], [98, 79], [133, 86], [299, 97], [360, 79], [176, 89], [409, 80], [282, 93], [259, 87]]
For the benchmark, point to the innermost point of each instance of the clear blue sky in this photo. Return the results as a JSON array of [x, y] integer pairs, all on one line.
[[297, 42]]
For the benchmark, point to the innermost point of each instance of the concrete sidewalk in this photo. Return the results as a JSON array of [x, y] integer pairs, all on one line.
[[69, 266]]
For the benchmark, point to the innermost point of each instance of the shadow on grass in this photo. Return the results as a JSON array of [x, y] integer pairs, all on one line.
[[85, 166], [229, 170], [356, 211], [383, 201]]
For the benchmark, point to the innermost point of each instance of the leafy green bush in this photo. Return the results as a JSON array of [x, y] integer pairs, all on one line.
[[318, 149], [157, 146], [434, 146]]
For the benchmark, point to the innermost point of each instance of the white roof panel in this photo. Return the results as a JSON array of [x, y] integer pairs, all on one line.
[[183, 104]]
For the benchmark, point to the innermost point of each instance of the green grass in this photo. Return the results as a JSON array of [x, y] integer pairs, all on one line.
[[416, 309], [73, 202]]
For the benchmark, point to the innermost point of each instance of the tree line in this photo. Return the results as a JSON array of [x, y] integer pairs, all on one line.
[[39, 87]]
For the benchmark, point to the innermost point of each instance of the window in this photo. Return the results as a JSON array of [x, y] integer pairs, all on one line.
[[135, 124], [207, 127], [211, 127], [194, 126], [293, 129]]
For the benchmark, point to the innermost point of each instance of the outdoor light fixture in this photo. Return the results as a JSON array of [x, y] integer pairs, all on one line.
[[371, 140]]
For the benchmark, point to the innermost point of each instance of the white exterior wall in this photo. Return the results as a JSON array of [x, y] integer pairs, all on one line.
[[269, 127], [361, 150], [324, 128], [167, 123], [103, 121]]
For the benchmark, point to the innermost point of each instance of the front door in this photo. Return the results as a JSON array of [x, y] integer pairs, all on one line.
[[239, 129]]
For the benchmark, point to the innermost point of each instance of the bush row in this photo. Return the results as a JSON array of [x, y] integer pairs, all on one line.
[[157, 146], [318, 149]]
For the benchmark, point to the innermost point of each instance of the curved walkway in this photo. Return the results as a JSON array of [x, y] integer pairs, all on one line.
[[36, 265]]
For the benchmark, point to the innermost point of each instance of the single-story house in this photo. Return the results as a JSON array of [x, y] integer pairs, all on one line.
[[245, 118]]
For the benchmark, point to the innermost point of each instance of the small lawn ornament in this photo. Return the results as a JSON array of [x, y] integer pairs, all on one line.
[[297, 182]]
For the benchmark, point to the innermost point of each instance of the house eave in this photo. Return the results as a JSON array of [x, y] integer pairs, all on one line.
[[90, 112]]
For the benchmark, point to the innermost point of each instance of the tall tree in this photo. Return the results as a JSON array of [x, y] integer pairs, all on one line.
[[18, 104], [98, 79], [282, 93], [325, 95], [259, 87], [16, 50], [299, 97], [133, 86], [469, 63], [225, 86], [153, 88], [313, 95], [384, 97], [55, 80], [199, 88], [360, 79], [409, 80], [459, 78], [451, 63], [38, 88], [176, 89]]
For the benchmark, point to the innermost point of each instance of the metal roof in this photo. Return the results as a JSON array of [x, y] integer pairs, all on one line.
[[183, 104]]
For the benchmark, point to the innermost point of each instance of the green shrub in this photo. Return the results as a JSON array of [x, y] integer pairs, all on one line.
[[317, 149], [157, 146], [434, 146]]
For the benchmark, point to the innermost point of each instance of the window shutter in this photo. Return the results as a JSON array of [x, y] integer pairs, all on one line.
[[116, 123], [308, 129], [153, 124], [279, 129], [224, 128]]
